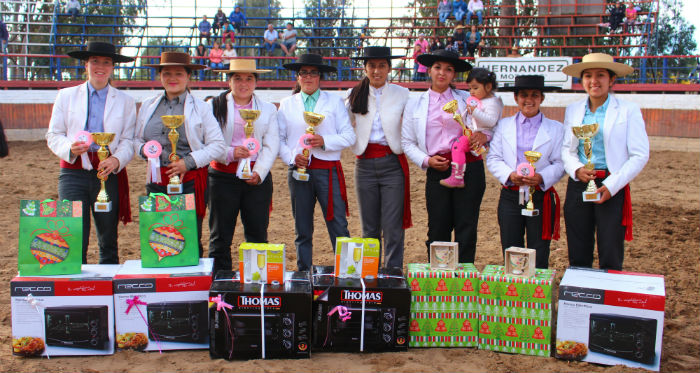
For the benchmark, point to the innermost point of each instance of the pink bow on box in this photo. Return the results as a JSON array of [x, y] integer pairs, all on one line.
[[136, 302], [343, 313], [222, 306]]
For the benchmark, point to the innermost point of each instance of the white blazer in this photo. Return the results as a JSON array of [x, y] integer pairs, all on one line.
[[264, 130], [502, 156], [392, 101], [69, 116], [335, 129], [415, 118], [201, 128], [624, 136]]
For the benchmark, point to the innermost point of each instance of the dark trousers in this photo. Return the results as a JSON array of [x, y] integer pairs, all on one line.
[[584, 219], [187, 188], [455, 209], [304, 195], [514, 225], [83, 185], [229, 195]]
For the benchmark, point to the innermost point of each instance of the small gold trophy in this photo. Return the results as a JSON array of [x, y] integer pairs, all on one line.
[[249, 116], [452, 108], [530, 209], [103, 139], [313, 120], [173, 122], [586, 132]]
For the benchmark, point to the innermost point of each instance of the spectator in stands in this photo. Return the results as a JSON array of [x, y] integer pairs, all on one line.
[[227, 31], [694, 75], [475, 7], [461, 39], [204, 30], [630, 16], [436, 44], [514, 52], [289, 40], [238, 19], [418, 69], [444, 9], [459, 9], [229, 53], [617, 13], [451, 45], [73, 8], [473, 38], [219, 19], [270, 39], [215, 57], [4, 37], [201, 52], [423, 43]]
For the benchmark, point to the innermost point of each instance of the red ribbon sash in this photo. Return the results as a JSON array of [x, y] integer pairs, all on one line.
[[626, 205], [328, 165]]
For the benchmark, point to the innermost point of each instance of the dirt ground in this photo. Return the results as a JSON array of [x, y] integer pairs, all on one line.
[[666, 202]]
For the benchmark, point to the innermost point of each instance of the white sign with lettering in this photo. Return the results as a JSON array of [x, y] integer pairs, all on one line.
[[507, 68]]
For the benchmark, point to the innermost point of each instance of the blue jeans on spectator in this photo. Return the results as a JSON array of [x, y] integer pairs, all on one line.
[[270, 48], [443, 16], [458, 15], [479, 15], [216, 65], [74, 12]]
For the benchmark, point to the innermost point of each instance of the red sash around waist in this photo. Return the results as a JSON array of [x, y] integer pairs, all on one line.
[[328, 165], [124, 209], [199, 175], [228, 168], [626, 205], [547, 232]]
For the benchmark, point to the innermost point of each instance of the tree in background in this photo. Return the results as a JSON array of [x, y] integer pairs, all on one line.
[[674, 37]]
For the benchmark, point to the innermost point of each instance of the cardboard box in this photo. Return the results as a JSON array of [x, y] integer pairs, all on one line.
[[444, 306], [444, 255], [338, 314], [261, 262], [159, 309], [236, 325], [356, 257], [64, 315], [515, 313], [611, 317], [520, 261]]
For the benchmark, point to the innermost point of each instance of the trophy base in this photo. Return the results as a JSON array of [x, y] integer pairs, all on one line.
[[590, 196], [246, 176], [174, 188], [103, 206], [526, 212], [300, 176]]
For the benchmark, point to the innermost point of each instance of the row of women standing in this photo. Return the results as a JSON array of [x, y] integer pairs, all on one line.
[[378, 121]]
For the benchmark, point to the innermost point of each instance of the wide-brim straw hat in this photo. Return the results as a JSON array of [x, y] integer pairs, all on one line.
[[100, 48], [598, 61], [310, 59], [243, 66], [177, 59], [371, 53], [529, 82], [428, 59]]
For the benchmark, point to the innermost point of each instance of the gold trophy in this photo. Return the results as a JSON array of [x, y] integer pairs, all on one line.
[[103, 139], [173, 122], [313, 120], [451, 108], [530, 210], [586, 132], [249, 116]]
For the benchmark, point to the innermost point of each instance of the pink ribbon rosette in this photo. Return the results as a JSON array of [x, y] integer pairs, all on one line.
[[524, 169], [84, 136], [152, 150]]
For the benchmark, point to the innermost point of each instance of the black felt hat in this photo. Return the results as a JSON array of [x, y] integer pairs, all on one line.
[[371, 53], [310, 59], [529, 82], [429, 59], [99, 48]]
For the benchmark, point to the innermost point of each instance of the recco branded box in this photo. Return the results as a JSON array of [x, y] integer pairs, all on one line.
[[611, 317], [64, 315], [162, 308]]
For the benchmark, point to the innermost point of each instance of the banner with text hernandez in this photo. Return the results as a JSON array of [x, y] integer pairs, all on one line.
[[507, 68]]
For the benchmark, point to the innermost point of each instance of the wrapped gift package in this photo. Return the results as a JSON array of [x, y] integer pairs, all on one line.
[[64, 314], [260, 321], [444, 306], [159, 309], [515, 313], [356, 314], [611, 317]]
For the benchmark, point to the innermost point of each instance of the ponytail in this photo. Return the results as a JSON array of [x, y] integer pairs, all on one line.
[[297, 88], [359, 95], [220, 108]]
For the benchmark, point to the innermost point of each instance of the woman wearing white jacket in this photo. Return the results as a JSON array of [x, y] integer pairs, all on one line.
[[232, 187], [95, 106], [200, 140]]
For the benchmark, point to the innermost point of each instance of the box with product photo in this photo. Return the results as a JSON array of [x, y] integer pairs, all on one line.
[[260, 321], [354, 314], [159, 309], [356, 257], [611, 317], [261, 262], [64, 315]]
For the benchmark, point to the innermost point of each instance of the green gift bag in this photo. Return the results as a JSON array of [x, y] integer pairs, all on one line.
[[168, 230], [50, 237]]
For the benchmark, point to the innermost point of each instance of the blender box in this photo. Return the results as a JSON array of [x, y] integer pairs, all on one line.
[[261, 262], [356, 257]]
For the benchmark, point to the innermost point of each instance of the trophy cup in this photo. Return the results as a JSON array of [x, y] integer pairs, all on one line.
[[451, 108], [586, 132], [103, 139], [313, 120], [249, 116], [173, 122], [530, 209]]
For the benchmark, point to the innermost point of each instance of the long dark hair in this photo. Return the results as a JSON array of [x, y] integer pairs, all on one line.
[[359, 97], [483, 76], [220, 108]]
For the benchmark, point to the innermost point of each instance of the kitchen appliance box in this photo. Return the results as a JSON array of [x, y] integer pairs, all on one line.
[[287, 318], [515, 313], [175, 306], [65, 315], [618, 316], [444, 306], [387, 301]]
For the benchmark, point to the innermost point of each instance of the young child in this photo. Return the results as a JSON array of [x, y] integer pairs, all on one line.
[[481, 116]]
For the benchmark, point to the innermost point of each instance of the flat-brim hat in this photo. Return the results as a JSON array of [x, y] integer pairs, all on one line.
[[429, 59], [243, 66], [99, 48], [176, 59], [598, 61], [371, 53], [310, 59], [529, 82]]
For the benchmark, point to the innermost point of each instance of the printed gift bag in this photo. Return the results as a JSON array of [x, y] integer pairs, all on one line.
[[168, 230], [50, 237]]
